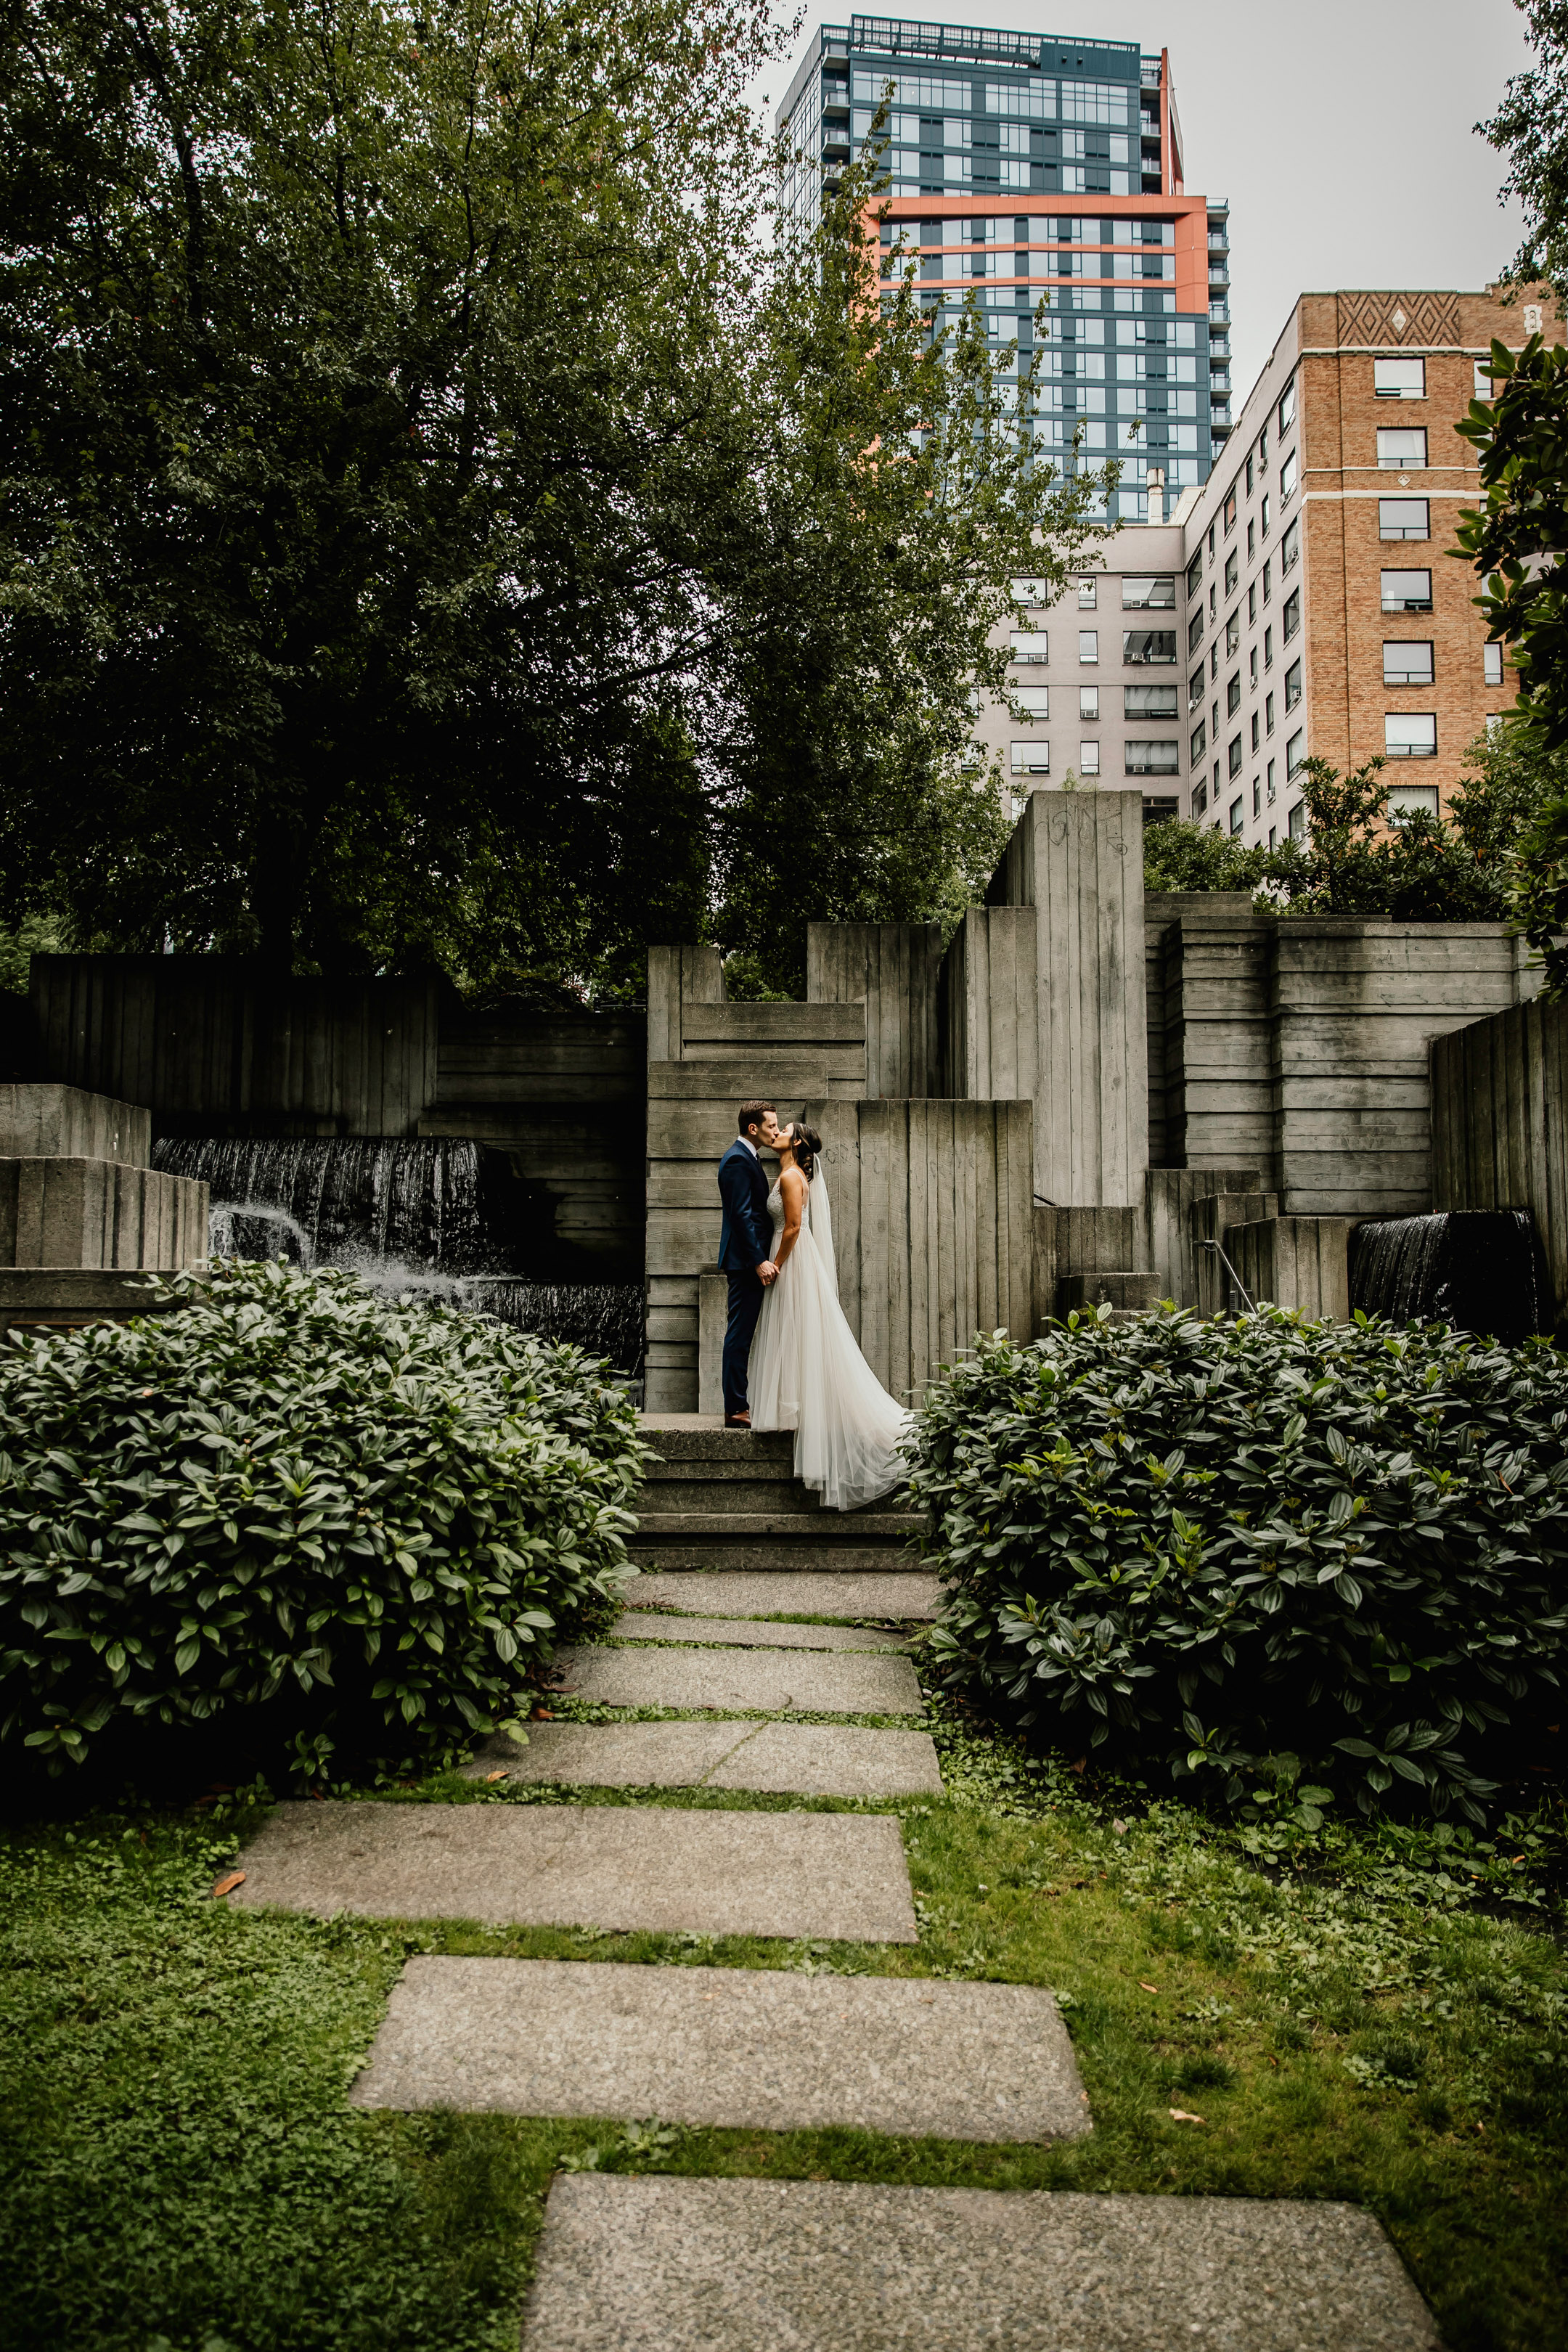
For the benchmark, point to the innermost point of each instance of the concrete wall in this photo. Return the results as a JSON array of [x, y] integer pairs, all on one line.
[[1500, 1101], [894, 970], [63, 1212], [1301, 1263]]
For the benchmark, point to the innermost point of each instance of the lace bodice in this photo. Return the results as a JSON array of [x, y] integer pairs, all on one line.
[[776, 1208]]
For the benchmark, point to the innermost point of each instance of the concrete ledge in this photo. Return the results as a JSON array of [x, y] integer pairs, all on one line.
[[1133, 1291], [70, 1294], [44, 1121]]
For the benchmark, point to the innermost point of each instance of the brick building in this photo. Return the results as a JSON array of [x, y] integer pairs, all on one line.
[[1310, 606]]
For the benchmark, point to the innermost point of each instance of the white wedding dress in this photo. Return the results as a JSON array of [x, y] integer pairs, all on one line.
[[808, 1375]]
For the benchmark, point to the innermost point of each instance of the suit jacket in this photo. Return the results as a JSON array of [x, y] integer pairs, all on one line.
[[746, 1235]]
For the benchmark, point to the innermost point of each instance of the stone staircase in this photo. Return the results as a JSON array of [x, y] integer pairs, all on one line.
[[720, 1498]]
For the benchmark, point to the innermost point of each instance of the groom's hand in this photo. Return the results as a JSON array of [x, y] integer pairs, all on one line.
[[767, 1272]]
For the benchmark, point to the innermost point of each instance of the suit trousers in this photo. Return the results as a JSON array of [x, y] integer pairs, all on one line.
[[745, 1306]]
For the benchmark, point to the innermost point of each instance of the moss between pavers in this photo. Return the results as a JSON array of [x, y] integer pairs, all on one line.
[[180, 2171]]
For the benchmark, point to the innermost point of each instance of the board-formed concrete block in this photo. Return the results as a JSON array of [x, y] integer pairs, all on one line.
[[43, 1121]]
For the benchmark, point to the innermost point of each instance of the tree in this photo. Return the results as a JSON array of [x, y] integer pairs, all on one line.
[[1531, 128], [438, 527], [1187, 856]]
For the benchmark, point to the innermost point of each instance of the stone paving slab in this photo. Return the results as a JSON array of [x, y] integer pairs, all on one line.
[[683, 2266], [806, 1759], [812, 1681], [756, 1633], [900, 1594], [837, 1875], [758, 2049]]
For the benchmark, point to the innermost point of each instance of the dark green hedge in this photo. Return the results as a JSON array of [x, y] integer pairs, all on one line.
[[308, 1519], [1245, 1545]]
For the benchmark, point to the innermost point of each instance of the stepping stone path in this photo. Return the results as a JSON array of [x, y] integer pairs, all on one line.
[[673, 2264]]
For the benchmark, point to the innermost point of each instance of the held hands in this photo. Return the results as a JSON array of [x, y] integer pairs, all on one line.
[[767, 1272]]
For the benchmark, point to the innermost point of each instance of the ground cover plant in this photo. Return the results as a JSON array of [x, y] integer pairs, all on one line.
[[1377, 2016], [301, 1519], [1300, 1559]]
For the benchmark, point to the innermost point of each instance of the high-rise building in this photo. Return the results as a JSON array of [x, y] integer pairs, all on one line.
[[1031, 169]]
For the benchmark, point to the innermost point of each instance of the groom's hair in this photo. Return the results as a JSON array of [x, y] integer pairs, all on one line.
[[751, 1114]]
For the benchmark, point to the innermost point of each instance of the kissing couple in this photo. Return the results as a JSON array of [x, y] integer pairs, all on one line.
[[790, 1358]]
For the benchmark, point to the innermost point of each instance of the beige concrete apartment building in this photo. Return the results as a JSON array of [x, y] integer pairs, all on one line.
[[1302, 602]]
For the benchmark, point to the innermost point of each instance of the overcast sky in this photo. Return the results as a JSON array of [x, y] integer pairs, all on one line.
[[1340, 130]]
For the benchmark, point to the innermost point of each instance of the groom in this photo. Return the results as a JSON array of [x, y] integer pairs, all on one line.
[[746, 1239]]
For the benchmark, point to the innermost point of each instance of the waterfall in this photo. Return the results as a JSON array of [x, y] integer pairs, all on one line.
[[1474, 1269], [422, 1218]]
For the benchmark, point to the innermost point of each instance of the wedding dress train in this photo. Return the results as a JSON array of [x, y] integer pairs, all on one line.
[[808, 1375]]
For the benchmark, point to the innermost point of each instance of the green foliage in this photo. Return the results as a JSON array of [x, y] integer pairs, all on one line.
[[444, 524], [1231, 1547], [318, 1524], [19, 943], [1531, 128], [1180, 855]]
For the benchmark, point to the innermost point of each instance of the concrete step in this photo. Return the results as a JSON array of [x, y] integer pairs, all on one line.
[[814, 1557], [775, 1526], [672, 2264], [732, 1682], [803, 1760], [721, 1496], [697, 1437], [878, 1590]]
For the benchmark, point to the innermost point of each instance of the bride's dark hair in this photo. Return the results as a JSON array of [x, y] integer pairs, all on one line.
[[806, 1143]]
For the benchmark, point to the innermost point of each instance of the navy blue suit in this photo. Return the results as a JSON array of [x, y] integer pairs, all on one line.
[[745, 1243]]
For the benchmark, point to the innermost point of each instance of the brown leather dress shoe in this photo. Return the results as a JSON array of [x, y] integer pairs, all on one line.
[[737, 1420]]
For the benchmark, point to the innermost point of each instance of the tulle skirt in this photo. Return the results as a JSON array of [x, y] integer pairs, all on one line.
[[808, 1375]]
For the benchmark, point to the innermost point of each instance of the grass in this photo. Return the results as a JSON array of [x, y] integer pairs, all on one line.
[[179, 2171]]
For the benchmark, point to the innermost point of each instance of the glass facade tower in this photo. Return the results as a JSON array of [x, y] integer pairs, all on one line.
[[1030, 169]]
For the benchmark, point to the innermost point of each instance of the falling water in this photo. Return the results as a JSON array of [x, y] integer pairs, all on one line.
[[416, 1218], [1475, 1270]]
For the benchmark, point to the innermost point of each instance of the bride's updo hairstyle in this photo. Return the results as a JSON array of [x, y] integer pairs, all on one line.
[[807, 1143]]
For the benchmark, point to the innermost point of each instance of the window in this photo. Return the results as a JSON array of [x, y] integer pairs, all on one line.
[[1233, 634], [1252, 670], [1269, 714], [1214, 661], [1149, 591], [1088, 644], [1142, 647], [1200, 799], [1399, 379], [1249, 473], [1255, 730], [1290, 619], [1403, 519], [1088, 702], [1270, 783], [1162, 756], [1267, 582], [1288, 407], [1195, 573], [1295, 753], [1028, 646], [1289, 475], [1256, 798], [1034, 699], [1233, 695], [1211, 542], [1088, 759], [1263, 447], [1411, 800], [1149, 701], [1228, 510], [1273, 830], [1268, 648], [1407, 663], [1195, 687], [1401, 447], [1198, 743], [1031, 594], [1032, 758], [1298, 821], [1235, 818], [1252, 609], [1293, 685], [1492, 664], [1195, 631], [1251, 540], [1232, 571], [1408, 592], [1410, 734], [1289, 545], [1088, 595], [1483, 379], [1233, 756]]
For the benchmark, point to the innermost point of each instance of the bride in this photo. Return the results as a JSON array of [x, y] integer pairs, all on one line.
[[806, 1373]]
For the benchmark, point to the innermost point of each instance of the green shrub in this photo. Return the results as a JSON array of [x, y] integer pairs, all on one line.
[[1231, 1547], [344, 1527]]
